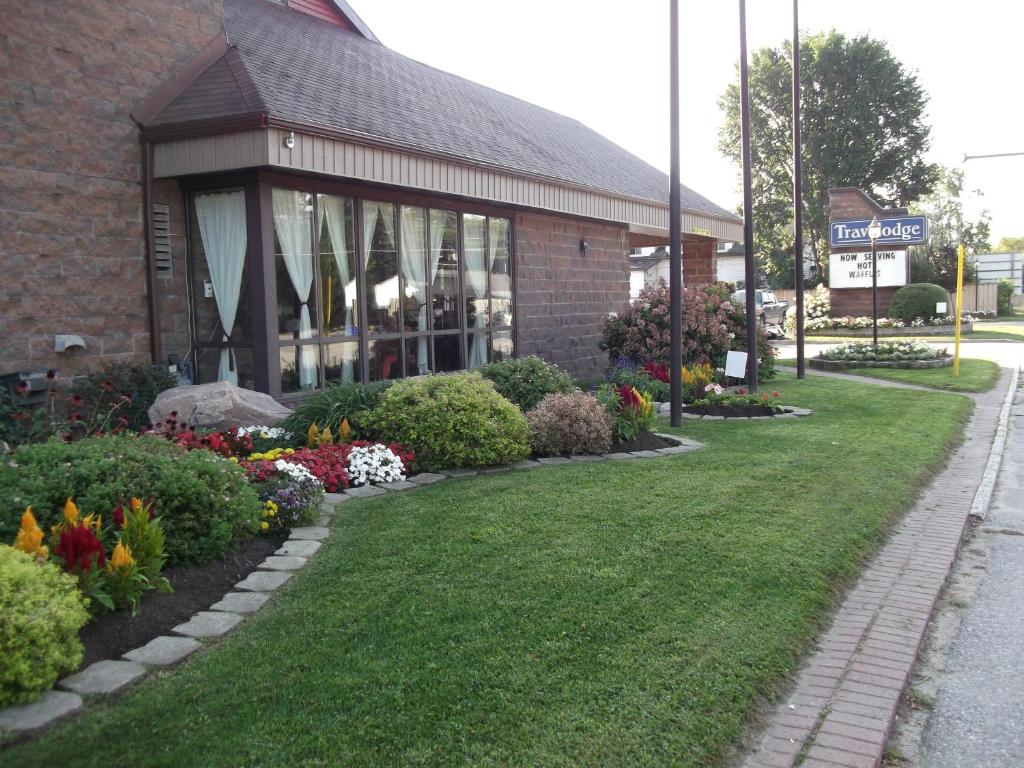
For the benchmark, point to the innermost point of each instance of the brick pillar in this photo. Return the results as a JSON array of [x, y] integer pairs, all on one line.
[[700, 256]]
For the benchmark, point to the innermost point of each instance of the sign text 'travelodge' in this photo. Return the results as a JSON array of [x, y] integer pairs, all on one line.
[[906, 230]]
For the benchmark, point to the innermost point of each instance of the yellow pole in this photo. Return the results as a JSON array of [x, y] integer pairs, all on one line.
[[959, 306]]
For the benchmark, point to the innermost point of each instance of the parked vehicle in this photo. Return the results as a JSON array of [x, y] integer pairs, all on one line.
[[771, 313]]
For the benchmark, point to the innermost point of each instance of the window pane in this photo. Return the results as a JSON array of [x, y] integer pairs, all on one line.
[[444, 265], [342, 361], [477, 349], [500, 259], [381, 265], [210, 362], [502, 345], [417, 356], [300, 368], [338, 265], [221, 223], [475, 275], [293, 256], [384, 360], [414, 268], [447, 355]]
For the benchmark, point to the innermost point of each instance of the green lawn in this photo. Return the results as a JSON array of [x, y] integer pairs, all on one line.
[[623, 613], [975, 376]]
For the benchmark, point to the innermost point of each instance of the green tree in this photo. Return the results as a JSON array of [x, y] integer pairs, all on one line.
[[1010, 245], [863, 126], [936, 262]]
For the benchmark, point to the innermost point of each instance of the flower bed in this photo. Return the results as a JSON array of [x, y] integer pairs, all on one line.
[[888, 354], [738, 404], [862, 326]]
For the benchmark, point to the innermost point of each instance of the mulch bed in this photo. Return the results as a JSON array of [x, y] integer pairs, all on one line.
[[731, 411], [196, 588], [645, 441]]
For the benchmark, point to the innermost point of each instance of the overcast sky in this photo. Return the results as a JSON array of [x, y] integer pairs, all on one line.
[[606, 64]]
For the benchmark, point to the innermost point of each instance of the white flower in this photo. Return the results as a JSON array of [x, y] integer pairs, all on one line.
[[267, 433], [295, 471], [716, 388], [374, 464]]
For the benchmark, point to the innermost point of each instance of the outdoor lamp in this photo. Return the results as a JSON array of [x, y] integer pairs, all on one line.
[[874, 229], [874, 232]]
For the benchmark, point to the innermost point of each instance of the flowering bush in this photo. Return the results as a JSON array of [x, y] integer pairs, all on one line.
[[716, 396], [817, 304], [291, 496], [626, 372], [862, 351], [567, 424], [42, 612], [228, 443], [374, 464], [264, 438], [632, 409], [331, 464], [695, 380], [829, 323]]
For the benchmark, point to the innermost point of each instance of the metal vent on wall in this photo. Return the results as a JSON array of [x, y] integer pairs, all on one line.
[[162, 239]]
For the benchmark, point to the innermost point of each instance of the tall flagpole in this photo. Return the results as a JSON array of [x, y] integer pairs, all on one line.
[[748, 206], [675, 227], [798, 218]]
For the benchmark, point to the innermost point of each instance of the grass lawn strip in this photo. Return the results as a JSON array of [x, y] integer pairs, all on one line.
[[975, 376], [621, 613]]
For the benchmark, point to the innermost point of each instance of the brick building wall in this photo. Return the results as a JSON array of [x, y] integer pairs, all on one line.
[[700, 256], [72, 250], [564, 295]]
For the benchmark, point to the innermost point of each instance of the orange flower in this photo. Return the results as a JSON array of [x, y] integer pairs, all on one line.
[[70, 512], [30, 537], [121, 557]]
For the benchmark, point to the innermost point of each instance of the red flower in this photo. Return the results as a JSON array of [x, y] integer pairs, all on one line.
[[80, 549], [776, 394], [75, 400], [21, 388], [741, 391], [107, 385]]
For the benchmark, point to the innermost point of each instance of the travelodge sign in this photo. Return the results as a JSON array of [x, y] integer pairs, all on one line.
[[905, 230]]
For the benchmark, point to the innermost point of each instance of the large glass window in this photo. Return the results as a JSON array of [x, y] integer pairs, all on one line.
[[380, 264]]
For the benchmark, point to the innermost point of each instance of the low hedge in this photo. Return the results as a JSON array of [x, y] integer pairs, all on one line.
[[917, 300], [205, 502], [451, 420], [42, 612], [526, 380]]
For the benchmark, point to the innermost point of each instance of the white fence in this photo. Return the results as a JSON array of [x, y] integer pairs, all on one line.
[[978, 297]]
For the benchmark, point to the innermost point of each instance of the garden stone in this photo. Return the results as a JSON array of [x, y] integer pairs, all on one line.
[[674, 449], [461, 473], [161, 651], [30, 717], [619, 455], [241, 602], [219, 405], [647, 454], [690, 415], [784, 416], [426, 478], [103, 677], [554, 460], [300, 547], [526, 464], [586, 457], [713, 418], [315, 532], [283, 563], [364, 491], [208, 624], [801, 411], [264, 581], [495, 470], [399, 485], [331, 499]]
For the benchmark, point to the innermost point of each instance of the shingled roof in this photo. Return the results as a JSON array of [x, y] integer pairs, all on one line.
[[292, 67]]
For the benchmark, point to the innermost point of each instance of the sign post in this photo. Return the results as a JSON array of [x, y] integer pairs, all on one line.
[[959, 306], [874, 232]]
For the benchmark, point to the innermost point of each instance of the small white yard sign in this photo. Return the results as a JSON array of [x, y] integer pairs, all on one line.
[[736, 365]]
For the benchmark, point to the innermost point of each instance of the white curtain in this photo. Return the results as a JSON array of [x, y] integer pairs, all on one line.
[[414, 270], [332, 210], [383, 294], [292, 224], [476, 280], [222, 228]]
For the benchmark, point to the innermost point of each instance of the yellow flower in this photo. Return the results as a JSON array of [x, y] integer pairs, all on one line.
[[346, 430], [121, 557], [326, 438], [289, 451], [93, 521], [136, 504], [312, 436], [30, 537], [233, 459], [70, 512], [264, 525]]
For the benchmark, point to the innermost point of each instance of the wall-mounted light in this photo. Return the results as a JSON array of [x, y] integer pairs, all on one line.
[[65, 342], [289, 140], [584, 247]]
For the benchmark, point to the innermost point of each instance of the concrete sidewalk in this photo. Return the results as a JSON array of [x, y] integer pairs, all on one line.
[[841, 709]]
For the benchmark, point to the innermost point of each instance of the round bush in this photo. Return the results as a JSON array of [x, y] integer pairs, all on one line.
[[917, 300], [526, 380], [450, 421], [564, 425], [204, 500], [42, 612]]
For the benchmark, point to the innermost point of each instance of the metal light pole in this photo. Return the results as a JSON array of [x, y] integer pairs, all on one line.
[[874, 232], [798, 219], [675, 287], [748, 206]]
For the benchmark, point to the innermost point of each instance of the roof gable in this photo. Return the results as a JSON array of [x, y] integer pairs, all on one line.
[[336, 12]]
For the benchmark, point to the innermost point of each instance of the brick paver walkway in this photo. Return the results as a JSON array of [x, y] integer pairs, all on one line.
[[845, 698]]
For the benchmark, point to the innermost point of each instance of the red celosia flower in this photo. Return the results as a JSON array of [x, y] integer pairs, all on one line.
[[776, 394], [657, 371], [80, 549], [741, 391]]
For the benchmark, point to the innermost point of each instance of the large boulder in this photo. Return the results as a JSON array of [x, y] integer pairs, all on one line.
[[220, 405]]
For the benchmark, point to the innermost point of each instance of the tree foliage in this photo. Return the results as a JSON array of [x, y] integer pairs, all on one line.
[[1010, 245], [863, 123]]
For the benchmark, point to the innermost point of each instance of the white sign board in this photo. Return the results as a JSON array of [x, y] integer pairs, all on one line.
[[940, 308], [853, 270], [736, 365]]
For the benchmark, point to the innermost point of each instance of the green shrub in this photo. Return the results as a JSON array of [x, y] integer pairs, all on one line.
[[204, 500], [660, 391], [142, 382], [451, 420], [917, 300], [567, 424], [329, 407], [1005, 296], [42, 612], [526, 380]]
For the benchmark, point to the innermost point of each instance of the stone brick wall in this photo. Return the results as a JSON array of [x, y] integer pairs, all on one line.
[[71, 233], [700, 256], [564, 295]]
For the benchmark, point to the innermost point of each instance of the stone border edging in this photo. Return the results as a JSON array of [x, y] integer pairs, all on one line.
[[788, 412], [983, 496], [842, 365], [113, 676]]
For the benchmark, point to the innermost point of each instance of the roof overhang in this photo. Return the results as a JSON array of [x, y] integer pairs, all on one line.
[[359, 158]]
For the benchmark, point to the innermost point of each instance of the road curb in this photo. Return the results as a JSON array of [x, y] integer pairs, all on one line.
[[983, 496]]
